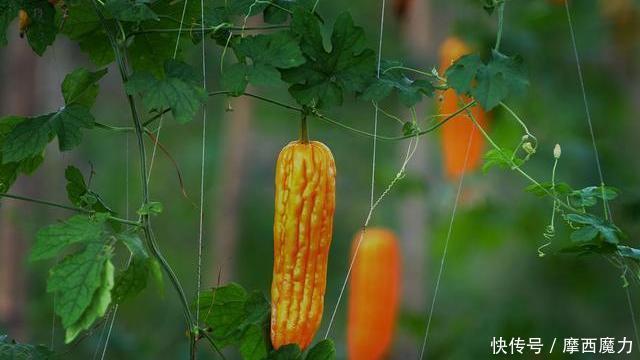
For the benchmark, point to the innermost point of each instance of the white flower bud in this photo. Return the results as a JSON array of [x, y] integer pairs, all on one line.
[[557, 151]]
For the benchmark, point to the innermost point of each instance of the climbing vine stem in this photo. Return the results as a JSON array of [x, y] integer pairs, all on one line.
[[121, 61]]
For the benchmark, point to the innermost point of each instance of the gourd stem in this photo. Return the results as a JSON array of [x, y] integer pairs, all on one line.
[[304, 129]]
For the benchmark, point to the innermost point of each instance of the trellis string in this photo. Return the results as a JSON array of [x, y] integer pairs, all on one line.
[[373, 172], [607, 209], [446, 245], [204, 132], [411, 149]]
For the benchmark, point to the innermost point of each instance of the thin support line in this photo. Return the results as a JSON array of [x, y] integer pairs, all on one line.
[[53, 322], [446, 246], [204, 138], [584, 94], [373, 173], [411, 150], [633, 317], [375, 116], [160, 122], [126, 210], [607, 209], [104, 328]]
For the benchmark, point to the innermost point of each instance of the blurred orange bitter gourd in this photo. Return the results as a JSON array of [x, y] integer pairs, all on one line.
[[373, 295], [302, 231], [456, 132]]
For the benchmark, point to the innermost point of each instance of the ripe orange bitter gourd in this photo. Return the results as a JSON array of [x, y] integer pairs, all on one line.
[[302, 231], [456, 132], [373, 295]]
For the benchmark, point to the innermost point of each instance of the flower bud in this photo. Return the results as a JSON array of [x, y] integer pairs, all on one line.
[[557, 151]]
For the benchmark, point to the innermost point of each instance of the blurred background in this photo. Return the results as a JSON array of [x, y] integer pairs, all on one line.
[[494, 283]]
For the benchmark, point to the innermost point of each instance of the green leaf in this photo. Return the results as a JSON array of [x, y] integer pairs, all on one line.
[[127, 10], [134, 244], [409, 91], [223, 310], [267, 53], [42, 29], [149, 52], [274, 14], [585, 219], [590, 248], [610, 233], [256, 309], [76, 187], [488, 83], [75, 280], [278, 50], [176, 90], [589, 196], [98, 306], [501, 77], [80, 195], [253, 345], [81, 87], [78, 229], [607, 232], [67, 124], [543, 189], [286, 352], [83, 26], [156, 275], [234, 79], [11, 350], [584, 234], [132, 280], [27, 139], [151, 208], [500, 158], [629, 252], [327, 75], [237, 318], [9, 171], [324, 350], [461, 74]]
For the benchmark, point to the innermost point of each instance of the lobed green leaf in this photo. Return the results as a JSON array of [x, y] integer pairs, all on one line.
[[78, 229]]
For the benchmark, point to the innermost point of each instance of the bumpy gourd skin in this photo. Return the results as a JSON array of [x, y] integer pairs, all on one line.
[[302, 231], [456, 132], [373, 295]]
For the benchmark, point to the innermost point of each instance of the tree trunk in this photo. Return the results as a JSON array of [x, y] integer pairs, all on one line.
[[232, 171]]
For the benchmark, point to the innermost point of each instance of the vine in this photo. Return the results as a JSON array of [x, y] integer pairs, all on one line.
[[289, 51]]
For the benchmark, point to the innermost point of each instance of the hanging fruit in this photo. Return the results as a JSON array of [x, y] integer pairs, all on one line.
[[302, 229], [23, 22], [456, 132], [373, 294]]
